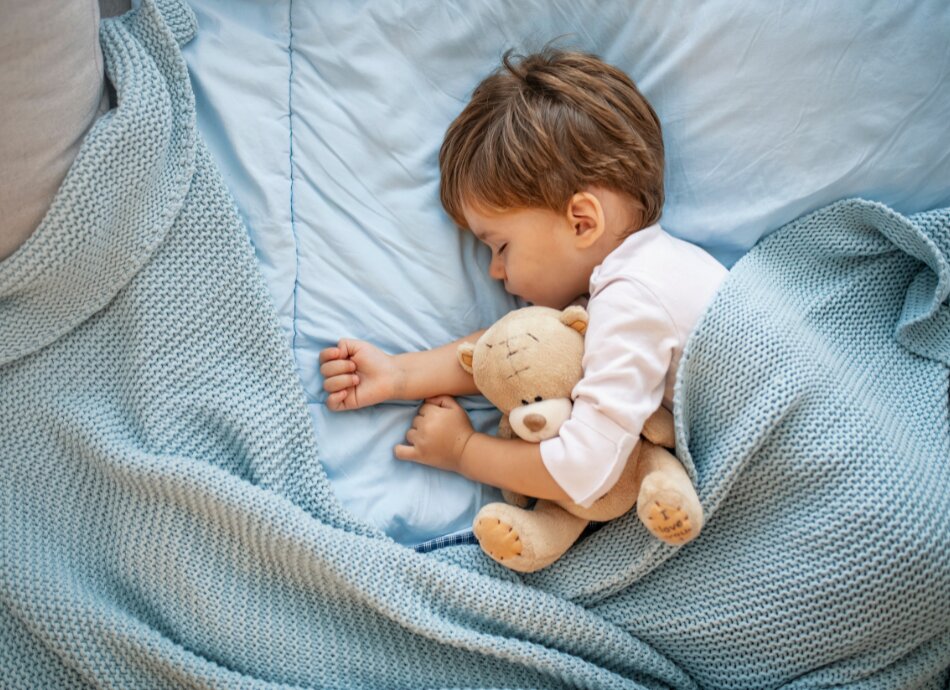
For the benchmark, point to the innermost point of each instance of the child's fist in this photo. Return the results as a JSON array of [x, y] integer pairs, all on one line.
[[356, 374], [438, 435]]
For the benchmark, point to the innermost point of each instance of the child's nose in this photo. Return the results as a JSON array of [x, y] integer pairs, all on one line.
[[496, 269]]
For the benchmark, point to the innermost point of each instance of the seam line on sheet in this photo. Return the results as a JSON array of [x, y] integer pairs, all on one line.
[[293, 223]]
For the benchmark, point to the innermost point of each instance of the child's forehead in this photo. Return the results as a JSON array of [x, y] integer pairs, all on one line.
[[488, 220], [481, 220]]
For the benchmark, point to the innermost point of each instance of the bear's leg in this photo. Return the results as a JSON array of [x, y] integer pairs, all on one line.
[[526, 540], [667, 503]]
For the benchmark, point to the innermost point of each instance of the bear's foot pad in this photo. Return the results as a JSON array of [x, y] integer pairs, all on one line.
[[497, 538], [669, 522]]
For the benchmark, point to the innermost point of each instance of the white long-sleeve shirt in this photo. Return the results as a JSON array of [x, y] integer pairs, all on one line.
[[645, 299]]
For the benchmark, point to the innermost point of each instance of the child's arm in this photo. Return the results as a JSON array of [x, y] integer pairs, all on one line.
[[434, 372], [358, 374], [442, 436], [510, 464]]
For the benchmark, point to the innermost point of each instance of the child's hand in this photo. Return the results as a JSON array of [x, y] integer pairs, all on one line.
[[438, 434], [357, 374]]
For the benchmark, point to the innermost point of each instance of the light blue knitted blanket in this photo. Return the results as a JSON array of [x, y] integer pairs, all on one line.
[[165, 522]]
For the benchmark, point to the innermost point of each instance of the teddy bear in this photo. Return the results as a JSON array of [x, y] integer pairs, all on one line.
[[527, 365]]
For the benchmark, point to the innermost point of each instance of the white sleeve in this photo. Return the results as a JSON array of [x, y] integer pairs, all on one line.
[[628, 349]]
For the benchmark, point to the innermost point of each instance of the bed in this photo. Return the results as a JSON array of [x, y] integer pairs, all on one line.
[[326, 122]]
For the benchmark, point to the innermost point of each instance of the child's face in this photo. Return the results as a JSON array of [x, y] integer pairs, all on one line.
[[534, 251]]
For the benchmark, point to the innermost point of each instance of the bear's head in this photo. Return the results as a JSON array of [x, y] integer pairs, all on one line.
[[527, 365]]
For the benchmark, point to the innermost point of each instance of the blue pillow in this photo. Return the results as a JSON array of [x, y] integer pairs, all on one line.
[[326, 120]]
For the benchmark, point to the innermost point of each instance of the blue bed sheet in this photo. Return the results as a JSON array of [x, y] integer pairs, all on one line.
[[326, 119]]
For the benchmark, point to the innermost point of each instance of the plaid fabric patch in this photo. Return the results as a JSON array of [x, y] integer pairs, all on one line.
[[456, 539], [468, 537]]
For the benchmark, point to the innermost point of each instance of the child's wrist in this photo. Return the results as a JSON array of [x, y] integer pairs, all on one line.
[[461, 443], [464, 460], [400, 378]]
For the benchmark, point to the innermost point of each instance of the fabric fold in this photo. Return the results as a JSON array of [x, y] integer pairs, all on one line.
[[924, 325]]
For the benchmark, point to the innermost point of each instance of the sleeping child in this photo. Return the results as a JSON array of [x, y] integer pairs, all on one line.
[[556, 164]]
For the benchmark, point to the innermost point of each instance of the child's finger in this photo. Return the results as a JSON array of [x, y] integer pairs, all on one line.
[[333, 384], [329, 353], [346, 348], [403, 452], [442, 401], [337, 383], [337, 367], [335, 400]]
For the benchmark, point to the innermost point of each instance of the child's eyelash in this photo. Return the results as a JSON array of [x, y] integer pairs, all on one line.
[[502, 248]]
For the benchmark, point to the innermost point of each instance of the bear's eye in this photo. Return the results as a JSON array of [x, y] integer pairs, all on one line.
[[524, 402], [538, 398]]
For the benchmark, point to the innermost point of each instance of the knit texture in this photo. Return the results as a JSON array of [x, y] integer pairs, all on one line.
[[165, 521]]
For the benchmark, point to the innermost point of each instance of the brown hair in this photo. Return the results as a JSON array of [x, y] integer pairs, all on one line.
[[545, 126]]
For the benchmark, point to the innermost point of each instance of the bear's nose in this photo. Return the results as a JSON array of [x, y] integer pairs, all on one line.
[[535, 422]]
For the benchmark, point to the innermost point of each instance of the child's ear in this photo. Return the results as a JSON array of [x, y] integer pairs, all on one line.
[[586, 216]]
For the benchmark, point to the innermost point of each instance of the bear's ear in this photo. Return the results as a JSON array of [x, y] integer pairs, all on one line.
[[575, 317], [466, 353]]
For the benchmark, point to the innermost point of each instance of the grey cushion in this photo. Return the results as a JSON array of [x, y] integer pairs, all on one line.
[[52, 85], [111, 8]]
